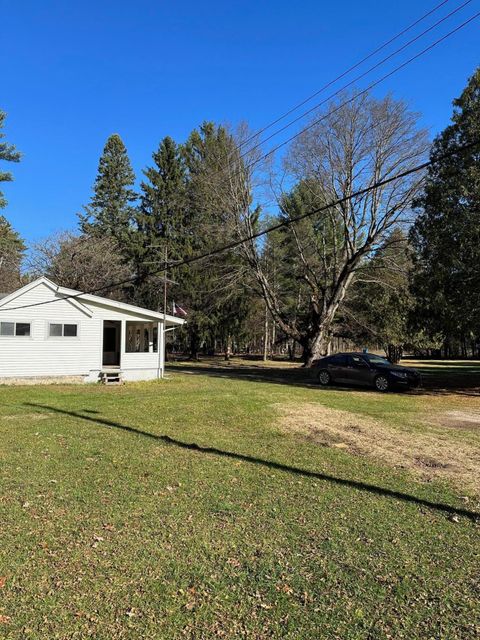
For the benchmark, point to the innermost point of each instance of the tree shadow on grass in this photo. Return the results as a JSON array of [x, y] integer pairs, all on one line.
[[192, 446], [438, 382]]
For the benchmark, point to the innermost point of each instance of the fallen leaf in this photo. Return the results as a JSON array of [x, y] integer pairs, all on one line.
[[2, 581], [233, 562], [4, 619], [285, 588]]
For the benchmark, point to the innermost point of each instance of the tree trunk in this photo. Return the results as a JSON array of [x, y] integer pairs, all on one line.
[[316, 347], [265, 336], [194, 343], [291, 348], [394, 353], [228, 349]]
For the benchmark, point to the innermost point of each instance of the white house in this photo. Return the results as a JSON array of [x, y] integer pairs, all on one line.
[[47, 331]]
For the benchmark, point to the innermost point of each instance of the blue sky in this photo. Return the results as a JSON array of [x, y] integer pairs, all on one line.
[[75, 72]]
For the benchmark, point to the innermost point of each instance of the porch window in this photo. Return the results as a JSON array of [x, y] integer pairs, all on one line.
[[63, 330], [15, 329], [140, 337]]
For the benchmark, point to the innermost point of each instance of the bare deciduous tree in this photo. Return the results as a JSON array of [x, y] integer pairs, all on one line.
[[356, 143], [79, 262]]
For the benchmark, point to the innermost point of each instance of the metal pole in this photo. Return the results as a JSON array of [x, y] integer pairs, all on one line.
[[164, 311]]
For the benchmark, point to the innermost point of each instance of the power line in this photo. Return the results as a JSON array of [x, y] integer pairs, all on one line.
[[258, 234], [364, 91], [345, 73], [238, 170], [351, 82]]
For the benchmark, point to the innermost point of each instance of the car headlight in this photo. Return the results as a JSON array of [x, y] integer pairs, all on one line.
[[399, 374]]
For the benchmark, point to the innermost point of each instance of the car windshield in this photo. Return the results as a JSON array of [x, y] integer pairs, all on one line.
[[376, 359]]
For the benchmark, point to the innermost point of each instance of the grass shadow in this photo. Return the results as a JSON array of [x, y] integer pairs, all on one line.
[[436, 382], [192, 446]]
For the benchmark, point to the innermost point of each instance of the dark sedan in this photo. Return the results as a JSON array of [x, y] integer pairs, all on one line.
[[365, 369]]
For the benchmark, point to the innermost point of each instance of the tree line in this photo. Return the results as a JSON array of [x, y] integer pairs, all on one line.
[[393, 266]]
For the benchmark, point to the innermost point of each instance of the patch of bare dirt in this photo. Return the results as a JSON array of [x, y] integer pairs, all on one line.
[[27, 416], [469, 420], [429, 455]]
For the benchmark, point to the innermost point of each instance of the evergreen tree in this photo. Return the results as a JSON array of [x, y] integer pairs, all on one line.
[[160, 220], [163, 197], [8, 153], [212, 289], [111, 211], [446, 234], [380, 302], [11, 244], [11, 253]]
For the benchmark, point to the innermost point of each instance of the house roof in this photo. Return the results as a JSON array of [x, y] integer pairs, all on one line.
[[81, 300]]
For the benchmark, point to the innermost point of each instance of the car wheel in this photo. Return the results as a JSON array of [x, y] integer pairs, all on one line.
[[381, 383], [324, 378]]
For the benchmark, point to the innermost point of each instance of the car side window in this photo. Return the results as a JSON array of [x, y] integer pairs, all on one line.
[[338, 361], [357, 361]]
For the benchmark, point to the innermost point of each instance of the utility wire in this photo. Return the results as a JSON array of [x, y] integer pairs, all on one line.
[[258, 234], [351, 82], [345, 73], [364, 91], [239, 169]]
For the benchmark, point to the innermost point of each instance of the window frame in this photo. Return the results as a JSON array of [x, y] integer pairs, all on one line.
[[15, 322], [63, 336]]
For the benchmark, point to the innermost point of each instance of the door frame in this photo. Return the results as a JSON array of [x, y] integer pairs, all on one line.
[[117, 354]]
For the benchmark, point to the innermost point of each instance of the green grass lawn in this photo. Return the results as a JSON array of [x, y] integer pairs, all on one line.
[[180, 509]]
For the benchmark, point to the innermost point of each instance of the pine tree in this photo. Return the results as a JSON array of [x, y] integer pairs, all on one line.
[[8, 153], [111, 211], [211, 289], [446, 234], [11, 244], [160, 220], [11, 253], [378, 307], [163, 197]]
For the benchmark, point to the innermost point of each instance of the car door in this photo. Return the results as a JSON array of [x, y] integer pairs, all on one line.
[[338, 369], [358, 370]]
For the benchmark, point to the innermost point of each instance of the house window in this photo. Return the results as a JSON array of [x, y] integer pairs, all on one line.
[[14, 329], [70, 330], [63, 330]]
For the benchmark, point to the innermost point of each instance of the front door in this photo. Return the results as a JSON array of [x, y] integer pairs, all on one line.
[[111, 343], [359, 370]]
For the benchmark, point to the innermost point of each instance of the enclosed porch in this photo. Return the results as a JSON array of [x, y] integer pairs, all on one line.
[[133, 349]]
